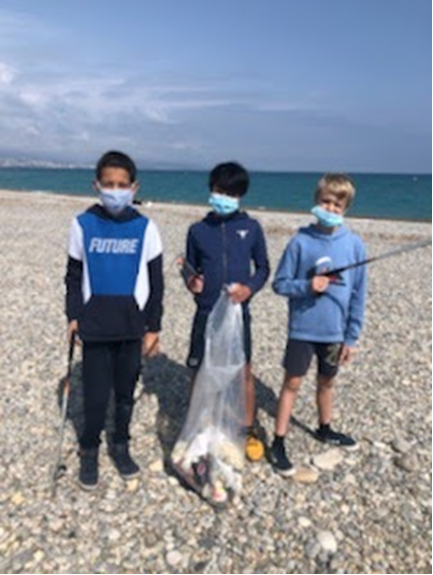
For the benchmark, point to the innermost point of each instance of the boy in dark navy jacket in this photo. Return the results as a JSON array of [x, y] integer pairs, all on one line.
[[114, 290], [221, 248]]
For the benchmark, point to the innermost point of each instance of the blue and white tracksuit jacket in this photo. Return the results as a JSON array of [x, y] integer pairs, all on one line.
[[114, 283]]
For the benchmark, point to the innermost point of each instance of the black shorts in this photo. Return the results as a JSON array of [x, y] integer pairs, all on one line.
[[299, 354], [197, 342]]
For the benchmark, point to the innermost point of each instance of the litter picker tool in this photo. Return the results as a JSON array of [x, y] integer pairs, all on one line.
[[186, 270], [335, 273], [59, 467]]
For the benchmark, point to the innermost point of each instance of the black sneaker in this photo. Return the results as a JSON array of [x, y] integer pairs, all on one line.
[[88, 474], [279, 460], [328, 435], [125, 465]]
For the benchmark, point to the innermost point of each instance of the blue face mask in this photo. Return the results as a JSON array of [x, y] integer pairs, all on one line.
[[115, 201], [223, 205], [327, 219]]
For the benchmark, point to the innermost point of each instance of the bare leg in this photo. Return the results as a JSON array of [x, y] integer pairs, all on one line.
[[286, 402], [324, 398]]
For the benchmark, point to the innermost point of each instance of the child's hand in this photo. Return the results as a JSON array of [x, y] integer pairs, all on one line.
[[347, 353], [73, 326], [150, 345], [195, 284], [239, 292], [319, 284]]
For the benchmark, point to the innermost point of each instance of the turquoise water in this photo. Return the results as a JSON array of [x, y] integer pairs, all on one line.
[[392, 196]]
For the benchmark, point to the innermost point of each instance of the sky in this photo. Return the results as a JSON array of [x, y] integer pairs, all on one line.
[[287, 85]]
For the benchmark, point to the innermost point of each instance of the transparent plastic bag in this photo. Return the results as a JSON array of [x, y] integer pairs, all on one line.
[[209, 452]]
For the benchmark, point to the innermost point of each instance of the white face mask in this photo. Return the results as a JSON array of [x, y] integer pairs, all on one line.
[[115, 201]]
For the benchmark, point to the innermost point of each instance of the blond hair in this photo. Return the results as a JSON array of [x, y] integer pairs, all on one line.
[[339, 185]]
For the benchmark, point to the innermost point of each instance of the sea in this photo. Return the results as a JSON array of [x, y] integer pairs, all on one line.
[[390, 196]]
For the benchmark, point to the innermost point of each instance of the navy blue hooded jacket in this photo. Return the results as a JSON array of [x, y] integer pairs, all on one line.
[[222, 250]]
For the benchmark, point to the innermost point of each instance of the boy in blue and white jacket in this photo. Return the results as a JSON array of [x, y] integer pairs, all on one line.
[[325, 314], [114, 289]]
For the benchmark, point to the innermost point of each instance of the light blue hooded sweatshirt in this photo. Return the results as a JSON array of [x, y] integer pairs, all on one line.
[[337, 314]]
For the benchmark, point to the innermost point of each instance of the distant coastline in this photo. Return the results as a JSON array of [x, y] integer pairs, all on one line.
[[12, 163]]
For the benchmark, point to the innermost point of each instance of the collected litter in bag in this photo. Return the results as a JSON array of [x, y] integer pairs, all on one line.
[[209, 454]]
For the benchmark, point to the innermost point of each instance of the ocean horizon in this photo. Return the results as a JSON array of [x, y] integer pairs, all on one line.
[[387, 196]]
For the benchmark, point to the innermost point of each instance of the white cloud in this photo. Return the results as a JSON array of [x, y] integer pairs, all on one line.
[[64, 105], [31, 98], [7, 73], [282, 105], [32, 131]]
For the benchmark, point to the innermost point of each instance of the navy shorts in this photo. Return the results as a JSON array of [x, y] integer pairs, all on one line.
[[299, 354], [197, 342]]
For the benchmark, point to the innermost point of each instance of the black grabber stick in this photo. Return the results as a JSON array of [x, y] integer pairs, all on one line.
[[186, 270], [335, 273], [59, 467]]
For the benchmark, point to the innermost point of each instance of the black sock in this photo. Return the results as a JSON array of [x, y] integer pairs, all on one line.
[[278, 440], [325, 428]]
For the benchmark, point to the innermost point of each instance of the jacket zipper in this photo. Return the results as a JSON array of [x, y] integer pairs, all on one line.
[[223, 229]]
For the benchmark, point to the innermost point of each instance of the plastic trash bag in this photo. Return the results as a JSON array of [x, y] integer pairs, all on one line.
[[209, 453]]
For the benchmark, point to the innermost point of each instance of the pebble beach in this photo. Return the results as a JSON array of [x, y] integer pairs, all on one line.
[[366, 511]]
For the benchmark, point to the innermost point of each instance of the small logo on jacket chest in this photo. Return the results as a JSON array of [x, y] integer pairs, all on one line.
[[242, 233]]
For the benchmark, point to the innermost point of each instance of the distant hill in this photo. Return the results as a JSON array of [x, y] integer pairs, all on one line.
[[53, 165], [28, 163]]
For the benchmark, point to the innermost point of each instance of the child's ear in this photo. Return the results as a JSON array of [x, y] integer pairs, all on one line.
[[96, 186], [135, 186]]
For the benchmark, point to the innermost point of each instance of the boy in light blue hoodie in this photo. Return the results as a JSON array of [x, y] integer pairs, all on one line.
[[325, 314]]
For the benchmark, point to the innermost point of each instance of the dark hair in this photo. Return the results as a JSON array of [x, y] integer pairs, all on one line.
[[115, 159], [229, 178]]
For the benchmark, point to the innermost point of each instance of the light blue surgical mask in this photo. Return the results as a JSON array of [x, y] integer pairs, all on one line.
[[223, 205], [327, 219], [115, 201]]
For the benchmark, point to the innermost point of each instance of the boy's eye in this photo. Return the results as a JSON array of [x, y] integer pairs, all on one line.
[[115, 185], [331, 202]]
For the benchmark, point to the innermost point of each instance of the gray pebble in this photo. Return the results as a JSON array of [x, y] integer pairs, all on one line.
[[407, 462], [400, 445]]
